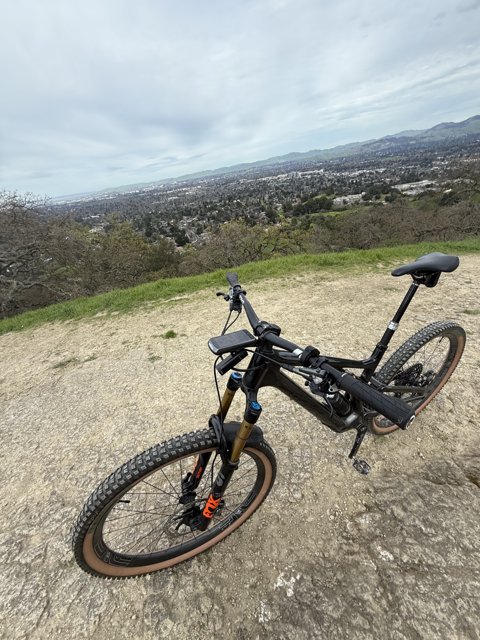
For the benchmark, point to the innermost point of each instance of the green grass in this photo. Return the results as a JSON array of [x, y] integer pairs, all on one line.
[[126, 300], [169, 334], [472, 312]]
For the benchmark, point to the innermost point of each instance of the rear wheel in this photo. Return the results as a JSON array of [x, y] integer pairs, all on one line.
[[425, 361], [134, 522]]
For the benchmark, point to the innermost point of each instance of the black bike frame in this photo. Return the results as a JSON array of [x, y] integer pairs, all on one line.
[[264, 370]]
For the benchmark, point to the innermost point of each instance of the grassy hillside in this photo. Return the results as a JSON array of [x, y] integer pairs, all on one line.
[[126, 300]]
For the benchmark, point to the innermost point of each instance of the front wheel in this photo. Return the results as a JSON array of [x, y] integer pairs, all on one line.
[[134, 522], [422, 365]]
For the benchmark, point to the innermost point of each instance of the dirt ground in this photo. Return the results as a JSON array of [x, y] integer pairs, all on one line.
[[330, 554]]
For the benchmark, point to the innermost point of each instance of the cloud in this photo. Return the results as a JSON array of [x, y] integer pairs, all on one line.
[[469, 5], [102, 92]]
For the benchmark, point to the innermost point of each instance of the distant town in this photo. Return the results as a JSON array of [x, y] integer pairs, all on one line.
[[405, 189], [188, 209]]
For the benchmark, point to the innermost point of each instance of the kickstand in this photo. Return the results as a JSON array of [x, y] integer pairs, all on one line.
[[359, 465]]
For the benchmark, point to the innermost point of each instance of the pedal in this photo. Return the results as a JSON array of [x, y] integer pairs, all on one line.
[[361, 466]]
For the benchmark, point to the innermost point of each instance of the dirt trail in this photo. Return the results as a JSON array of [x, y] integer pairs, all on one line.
[[331, 554]]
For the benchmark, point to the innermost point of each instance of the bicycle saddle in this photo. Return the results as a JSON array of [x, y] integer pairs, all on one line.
[[429, 263]]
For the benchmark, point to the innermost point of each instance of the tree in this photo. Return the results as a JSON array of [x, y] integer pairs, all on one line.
[[24, 255], [181, 238], [124, 258], [449, 197], [236, 243], [46, 259]]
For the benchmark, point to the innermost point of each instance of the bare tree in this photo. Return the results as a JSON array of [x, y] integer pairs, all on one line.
[[49, 259], [23, 254]]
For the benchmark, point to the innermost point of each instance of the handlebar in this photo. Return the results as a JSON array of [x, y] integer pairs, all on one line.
[[395, 409], [232, 278], [286, 345], [251, 315]]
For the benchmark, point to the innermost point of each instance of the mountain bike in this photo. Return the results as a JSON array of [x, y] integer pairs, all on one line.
[[181, 497]]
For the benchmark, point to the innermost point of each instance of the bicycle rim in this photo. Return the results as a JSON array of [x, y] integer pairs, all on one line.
[[140, 529], [427, 367]]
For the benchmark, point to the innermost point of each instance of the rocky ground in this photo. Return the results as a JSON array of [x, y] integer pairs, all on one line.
[[331, 554]]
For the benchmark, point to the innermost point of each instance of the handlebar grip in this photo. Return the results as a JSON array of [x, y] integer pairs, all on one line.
[[396, 410], [277, 341], [232, 278]]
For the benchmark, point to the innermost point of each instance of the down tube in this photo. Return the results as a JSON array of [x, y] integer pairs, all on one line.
[[277, 379]]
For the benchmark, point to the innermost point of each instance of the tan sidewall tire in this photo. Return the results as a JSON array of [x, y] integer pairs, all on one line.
[[105, 569], [460, 337]]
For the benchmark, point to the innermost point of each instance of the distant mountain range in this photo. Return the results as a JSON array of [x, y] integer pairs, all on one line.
[[442, 132]]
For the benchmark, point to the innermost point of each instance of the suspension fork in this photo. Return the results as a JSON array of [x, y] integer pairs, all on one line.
[[231, 389], [192, 480], [251, 415]]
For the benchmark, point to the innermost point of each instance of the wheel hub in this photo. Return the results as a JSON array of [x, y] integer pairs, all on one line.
[[187, 518], [411, 376]]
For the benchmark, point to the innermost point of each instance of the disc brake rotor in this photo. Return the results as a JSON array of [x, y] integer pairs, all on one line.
[[411, 376]]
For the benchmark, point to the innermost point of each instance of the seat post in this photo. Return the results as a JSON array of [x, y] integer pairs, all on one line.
[[412, 290], [393, 324]]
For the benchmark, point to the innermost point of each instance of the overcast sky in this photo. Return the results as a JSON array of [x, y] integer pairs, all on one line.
[[102, 93]]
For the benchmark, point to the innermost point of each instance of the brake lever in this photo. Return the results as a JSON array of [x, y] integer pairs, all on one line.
[[299, 371], [233, 297]]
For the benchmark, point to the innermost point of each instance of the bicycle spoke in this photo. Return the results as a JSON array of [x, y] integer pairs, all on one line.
[[137, 541], [161, 490], [134, 512], [244, 475], [217, 516], [167, 523], [150, 516], [146, 493], [168, 480], [130, 526], [238, 489]]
